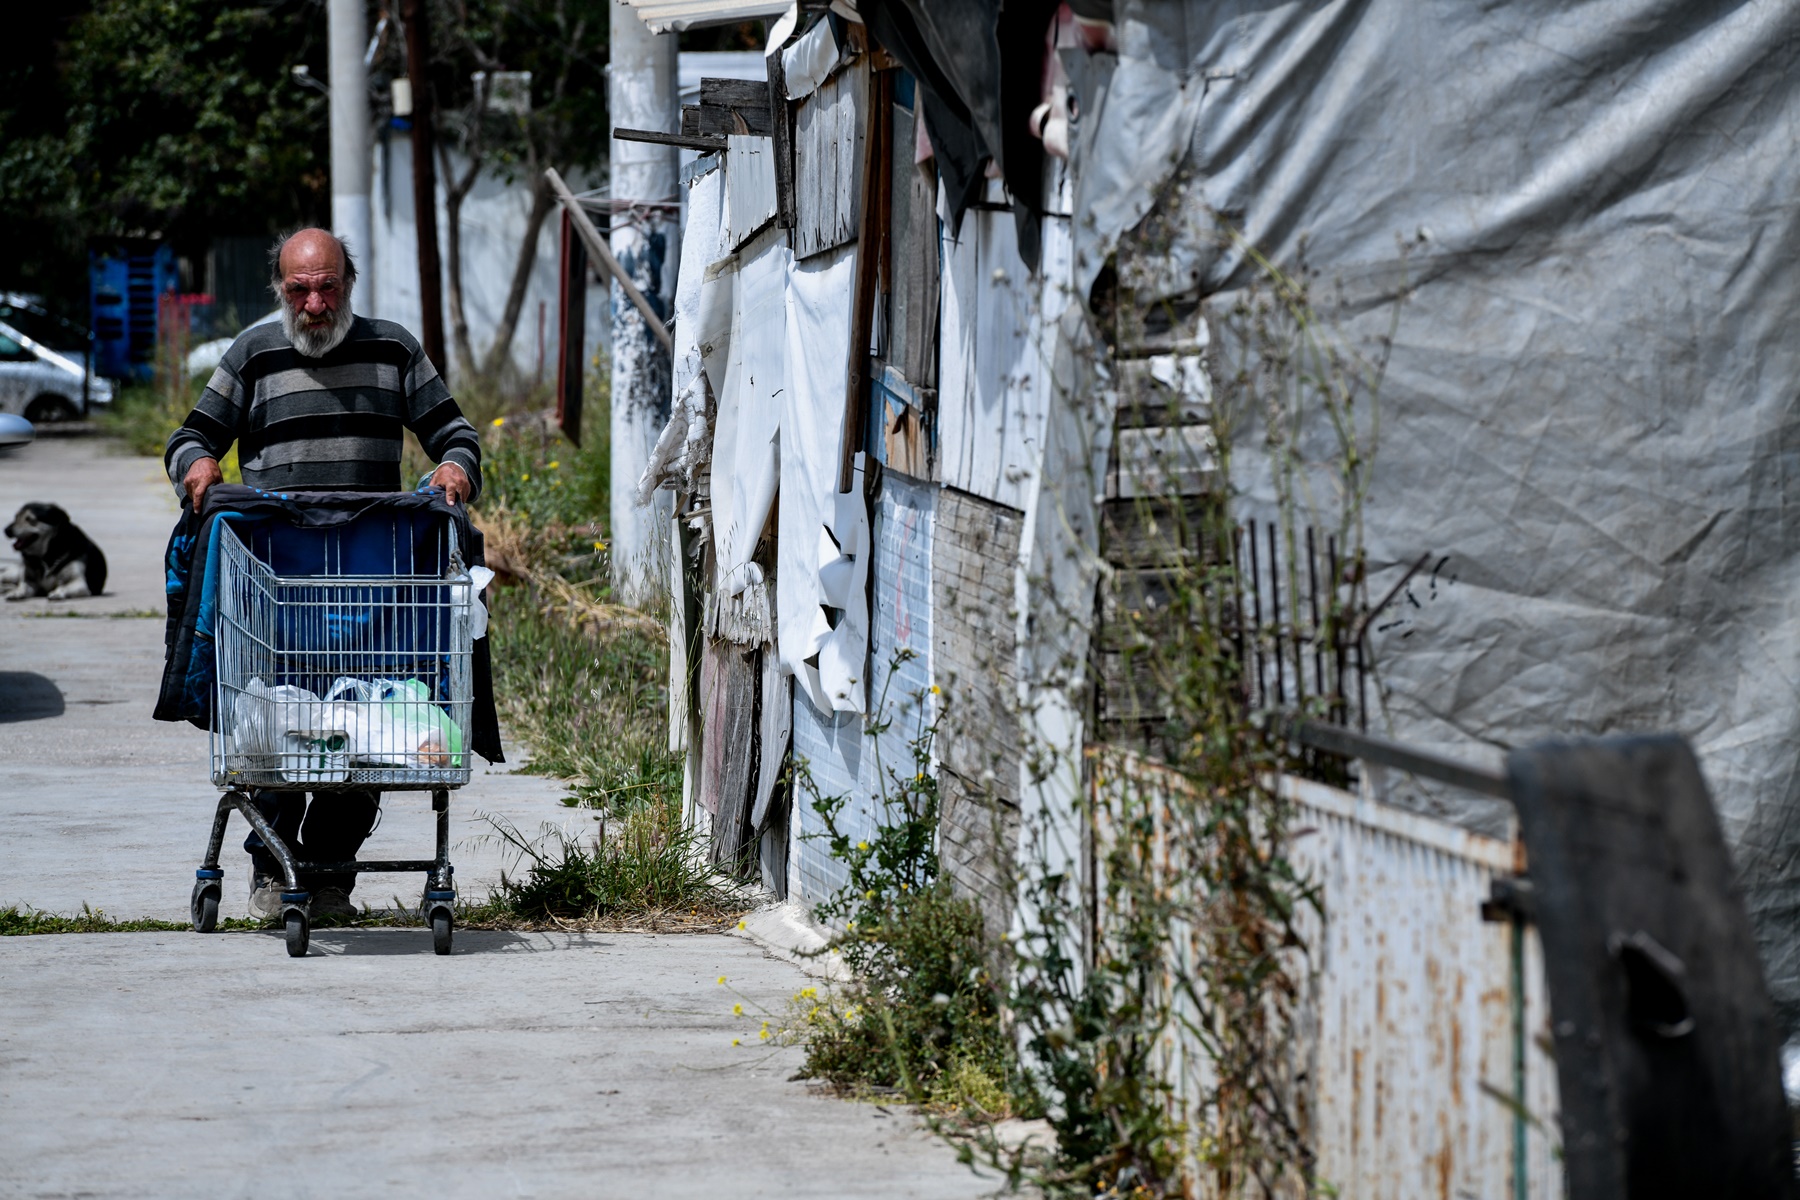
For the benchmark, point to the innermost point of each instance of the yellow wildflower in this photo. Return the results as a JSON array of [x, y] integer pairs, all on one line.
[[936, 690], [862, 845], [499, 421], [552, 465], [524, 479], [599, 546], [737, 1041], [737, 1010], [721, 981], [764, 1035], [742, 925]]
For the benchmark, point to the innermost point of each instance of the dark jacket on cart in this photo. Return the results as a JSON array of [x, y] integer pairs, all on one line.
[[284, 524]]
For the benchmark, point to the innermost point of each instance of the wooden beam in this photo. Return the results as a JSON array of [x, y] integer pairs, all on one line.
[[701, 142], [878, 128], [603, 257], [781, 128]]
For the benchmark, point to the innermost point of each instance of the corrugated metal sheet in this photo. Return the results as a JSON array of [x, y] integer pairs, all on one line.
[[1404, 1078], [996, 336], [668, 16], [1414, 1008], [842, 757]]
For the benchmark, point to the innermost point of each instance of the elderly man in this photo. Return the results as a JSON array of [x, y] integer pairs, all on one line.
[[317, 403]]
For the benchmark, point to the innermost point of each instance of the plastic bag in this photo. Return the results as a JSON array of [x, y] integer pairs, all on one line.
[[397, 723], [290, 729]]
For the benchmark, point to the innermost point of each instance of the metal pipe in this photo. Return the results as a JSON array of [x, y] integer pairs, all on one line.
[[1335, 740], [290, 869], [348, 31]]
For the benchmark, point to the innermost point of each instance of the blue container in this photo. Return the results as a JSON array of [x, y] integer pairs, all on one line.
[[124, 281]]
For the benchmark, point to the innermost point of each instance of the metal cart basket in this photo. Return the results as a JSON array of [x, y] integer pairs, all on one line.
[[353, 671]]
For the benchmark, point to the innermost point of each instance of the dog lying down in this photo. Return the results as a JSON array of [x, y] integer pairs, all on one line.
[[61, 562]]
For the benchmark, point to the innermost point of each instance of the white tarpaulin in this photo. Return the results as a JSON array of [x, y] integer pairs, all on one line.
[[817, 350], [1591, 414], [747, 442]]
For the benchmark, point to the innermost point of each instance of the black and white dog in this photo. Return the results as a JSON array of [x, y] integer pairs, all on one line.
[[61, 562]]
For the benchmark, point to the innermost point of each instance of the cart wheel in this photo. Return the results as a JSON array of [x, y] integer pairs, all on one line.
[[205, 908], [298, 935], [440, 930]]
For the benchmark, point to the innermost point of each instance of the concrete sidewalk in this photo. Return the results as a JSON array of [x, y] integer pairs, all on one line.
[[159, 1064], [104, 806]]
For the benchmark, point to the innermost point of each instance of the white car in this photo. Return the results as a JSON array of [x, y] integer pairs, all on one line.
[[42, 385]]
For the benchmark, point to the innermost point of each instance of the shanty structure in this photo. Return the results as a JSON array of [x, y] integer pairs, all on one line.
[[903, 479]]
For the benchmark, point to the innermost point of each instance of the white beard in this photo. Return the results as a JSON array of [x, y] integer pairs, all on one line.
[[316, 343]]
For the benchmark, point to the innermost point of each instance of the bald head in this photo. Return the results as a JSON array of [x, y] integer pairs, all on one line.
[[312, 274], [314, 251]]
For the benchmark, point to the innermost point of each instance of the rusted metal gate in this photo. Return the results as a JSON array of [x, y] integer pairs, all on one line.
[[1421, 1067], [1428, 1068]]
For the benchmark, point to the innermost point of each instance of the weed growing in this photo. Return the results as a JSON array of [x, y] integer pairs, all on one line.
[[646, 861], [143, 415], [22, 921], [923, 1014]]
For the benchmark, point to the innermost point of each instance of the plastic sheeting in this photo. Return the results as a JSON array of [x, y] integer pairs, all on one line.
[[1591, 414], [817, 358]]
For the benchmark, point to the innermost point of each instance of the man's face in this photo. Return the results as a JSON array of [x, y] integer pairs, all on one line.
[[312, 285], [315, 296]]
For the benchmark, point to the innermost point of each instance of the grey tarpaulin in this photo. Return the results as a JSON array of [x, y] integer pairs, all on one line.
[[1592, 408]]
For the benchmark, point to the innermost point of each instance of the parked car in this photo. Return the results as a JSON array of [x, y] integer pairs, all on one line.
[[15, 431], [42, 384]]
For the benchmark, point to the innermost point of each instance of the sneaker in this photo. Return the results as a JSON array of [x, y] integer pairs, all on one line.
[[265, 893], [333, 902]]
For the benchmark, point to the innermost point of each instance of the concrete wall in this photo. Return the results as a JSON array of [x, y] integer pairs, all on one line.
[[493, 221]]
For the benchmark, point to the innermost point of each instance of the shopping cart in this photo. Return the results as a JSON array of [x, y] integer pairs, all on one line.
[[344, 660]]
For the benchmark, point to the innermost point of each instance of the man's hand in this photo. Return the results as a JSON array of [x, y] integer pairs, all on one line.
[[202, 475], [453, 480]]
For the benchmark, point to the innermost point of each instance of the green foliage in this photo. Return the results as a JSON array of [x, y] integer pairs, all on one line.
[[924, 1014], [647, 862], [171, 118], [591, 701], [20, 921], [533, 472]]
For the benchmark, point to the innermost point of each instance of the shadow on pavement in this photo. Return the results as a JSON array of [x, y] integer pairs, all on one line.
[[28, 696], [378, 943]]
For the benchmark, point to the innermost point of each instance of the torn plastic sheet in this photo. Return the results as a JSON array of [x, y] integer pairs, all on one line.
[[747, 442], [685, 441], [817, 352], [1591, 406]]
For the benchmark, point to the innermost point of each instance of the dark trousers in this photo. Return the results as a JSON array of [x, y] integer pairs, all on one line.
[[331, 829]]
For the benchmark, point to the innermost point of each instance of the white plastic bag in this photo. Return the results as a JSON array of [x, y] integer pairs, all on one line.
[[292, 731], [396, 723]]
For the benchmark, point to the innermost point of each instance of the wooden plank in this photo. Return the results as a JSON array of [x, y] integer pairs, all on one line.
[[731, 683], [781, 130], [603, 257], [735, 93], [718, 119], [868, 266], [698, 142], [690, 120]]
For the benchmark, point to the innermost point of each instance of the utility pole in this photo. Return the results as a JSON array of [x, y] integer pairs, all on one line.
[[350, 127], [646, 233], [424, 180]]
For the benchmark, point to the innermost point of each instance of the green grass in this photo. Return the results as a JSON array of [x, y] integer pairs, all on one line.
[[17, 921], [646, 862], [591, 702]]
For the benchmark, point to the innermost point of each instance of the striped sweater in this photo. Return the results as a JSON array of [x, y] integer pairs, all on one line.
[[325, 424]]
